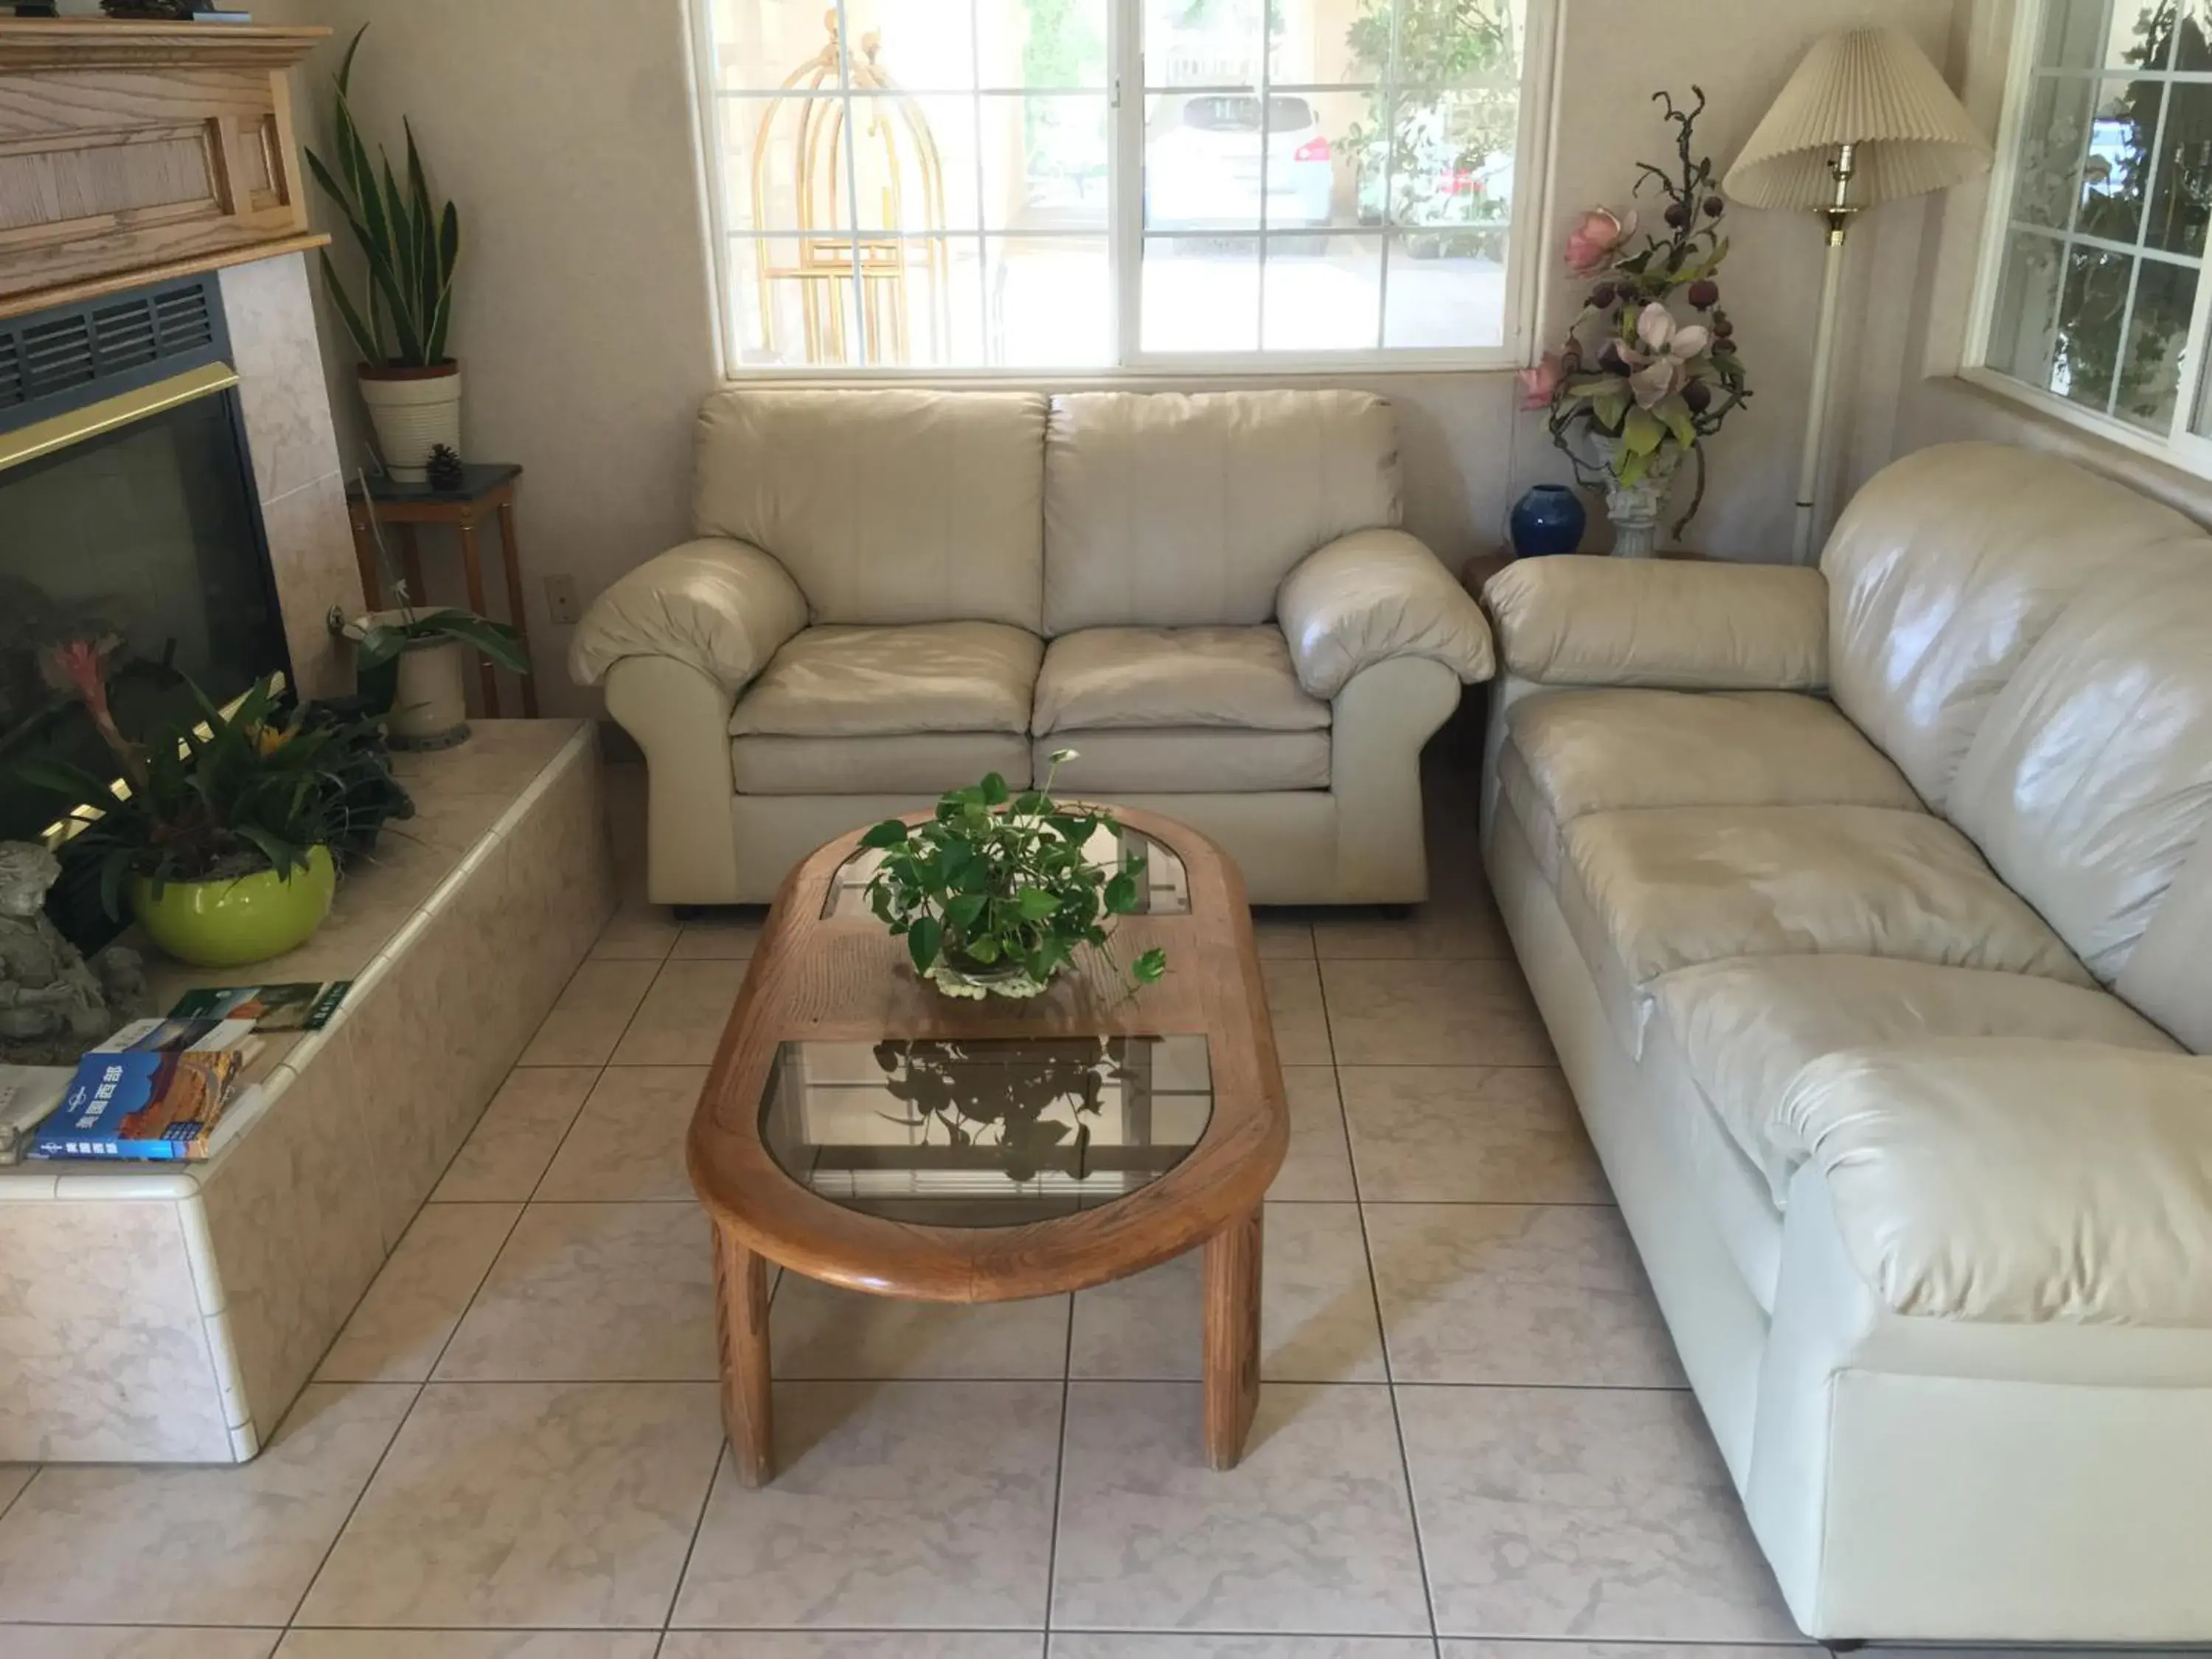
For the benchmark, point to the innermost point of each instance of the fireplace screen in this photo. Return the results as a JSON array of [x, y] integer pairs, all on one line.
[[149, 534]]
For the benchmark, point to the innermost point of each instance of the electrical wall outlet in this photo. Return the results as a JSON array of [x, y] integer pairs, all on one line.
[[561, 599]]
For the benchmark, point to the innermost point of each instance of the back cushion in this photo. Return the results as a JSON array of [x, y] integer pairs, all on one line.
[[2090, 783], [885, 507], [1944, 573], [1171, 510]]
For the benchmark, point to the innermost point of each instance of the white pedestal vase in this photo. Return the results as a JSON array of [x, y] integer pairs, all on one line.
[[1636, 508], [413, 410]]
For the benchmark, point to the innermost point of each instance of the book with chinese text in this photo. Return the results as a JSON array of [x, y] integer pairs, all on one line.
[[154, 1090]]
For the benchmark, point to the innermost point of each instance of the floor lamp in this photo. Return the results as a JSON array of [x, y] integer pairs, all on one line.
[[1866, 119]]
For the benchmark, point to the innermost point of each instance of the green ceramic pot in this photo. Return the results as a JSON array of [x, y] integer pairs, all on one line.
[[237, 920]]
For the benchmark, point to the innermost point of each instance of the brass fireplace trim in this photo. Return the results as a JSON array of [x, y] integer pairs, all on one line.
[[56, 432]]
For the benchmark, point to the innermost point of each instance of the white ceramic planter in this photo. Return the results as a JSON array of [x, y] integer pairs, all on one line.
[[429, 707], [413, 410]]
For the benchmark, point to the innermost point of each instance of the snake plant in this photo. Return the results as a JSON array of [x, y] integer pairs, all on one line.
[[409, 245]]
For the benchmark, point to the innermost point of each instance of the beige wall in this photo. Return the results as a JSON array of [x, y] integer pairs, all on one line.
[[563, 129]]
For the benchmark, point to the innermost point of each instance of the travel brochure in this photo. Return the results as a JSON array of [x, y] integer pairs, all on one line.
[[158, 1088]]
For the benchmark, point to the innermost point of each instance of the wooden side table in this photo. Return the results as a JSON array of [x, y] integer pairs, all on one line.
[[486, 490]]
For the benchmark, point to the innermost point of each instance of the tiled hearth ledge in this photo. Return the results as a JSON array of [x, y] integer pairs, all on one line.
[[157, 1315]]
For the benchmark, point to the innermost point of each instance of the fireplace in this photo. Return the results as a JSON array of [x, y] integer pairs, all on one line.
[[129, 512]]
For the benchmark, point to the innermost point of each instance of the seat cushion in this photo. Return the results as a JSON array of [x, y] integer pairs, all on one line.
[[1569, 753], [1747, 1027], [1190, 761], [883, 682], [919, 764], [1650, 892], [1135, 678]]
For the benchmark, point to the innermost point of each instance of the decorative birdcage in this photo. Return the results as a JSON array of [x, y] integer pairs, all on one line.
[[886, 274]]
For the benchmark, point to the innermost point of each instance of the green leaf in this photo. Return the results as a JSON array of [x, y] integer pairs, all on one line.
[[890, 832], [1641, 432], [923, 942], [992, 790], [984, 948], [1150, 967], [963, 910], [1035, 904], [1122, 895], [1679, 421], [364, 335]]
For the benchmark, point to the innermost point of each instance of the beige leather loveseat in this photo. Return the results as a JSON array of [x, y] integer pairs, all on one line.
[[1870, 910], [894, 592]]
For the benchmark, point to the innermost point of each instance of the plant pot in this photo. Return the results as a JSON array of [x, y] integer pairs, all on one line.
[[977, 981], [1635, 509], [413, 410], [429, 702], [1549, 519], [233, 920]]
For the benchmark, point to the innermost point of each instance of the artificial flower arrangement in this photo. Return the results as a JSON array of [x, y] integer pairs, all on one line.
[[1637, 387]]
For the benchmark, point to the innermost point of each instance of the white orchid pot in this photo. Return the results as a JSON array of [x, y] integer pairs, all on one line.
[[413, 410], [429, 704]]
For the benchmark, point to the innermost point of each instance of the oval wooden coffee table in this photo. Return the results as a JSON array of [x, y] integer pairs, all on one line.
[[862, 1128]]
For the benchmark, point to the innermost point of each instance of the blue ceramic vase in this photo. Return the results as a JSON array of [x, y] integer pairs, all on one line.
[[1549, 519]]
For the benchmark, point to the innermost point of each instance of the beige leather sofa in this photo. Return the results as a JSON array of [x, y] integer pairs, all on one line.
[[1870, 910], [891, 593]]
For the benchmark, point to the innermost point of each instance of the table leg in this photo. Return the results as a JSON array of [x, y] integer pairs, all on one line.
[[364, 554], [741, 1329], [1232, 1338], [514, 600], [410, 561], [472, 569]]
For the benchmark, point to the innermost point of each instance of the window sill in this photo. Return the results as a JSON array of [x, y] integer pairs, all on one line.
[[1988, 408]]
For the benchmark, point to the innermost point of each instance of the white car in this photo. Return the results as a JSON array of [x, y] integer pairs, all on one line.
[[1202, 154]]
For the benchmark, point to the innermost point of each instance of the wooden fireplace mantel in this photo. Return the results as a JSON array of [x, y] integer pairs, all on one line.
[[134, 152]]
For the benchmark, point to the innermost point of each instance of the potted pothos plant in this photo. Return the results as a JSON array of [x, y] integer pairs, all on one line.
[[996, 892], [409, 245], [224, 832]]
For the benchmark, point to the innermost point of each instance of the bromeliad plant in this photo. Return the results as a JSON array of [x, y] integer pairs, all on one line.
[[210, 795], [410, 244], [996, 892], [1637, 387]]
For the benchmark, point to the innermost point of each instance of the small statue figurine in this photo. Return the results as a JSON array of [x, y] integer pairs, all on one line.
[[53, 1003]]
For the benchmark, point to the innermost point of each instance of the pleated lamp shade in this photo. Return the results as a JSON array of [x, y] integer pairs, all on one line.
[[1873, 88]]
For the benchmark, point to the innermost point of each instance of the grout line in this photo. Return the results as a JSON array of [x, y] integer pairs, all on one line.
[[1059, 1477], [354, 1508], [699, 1521], [37, 1469]]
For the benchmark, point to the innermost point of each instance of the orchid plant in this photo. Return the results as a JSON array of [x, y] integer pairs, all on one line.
[[1636, 387]]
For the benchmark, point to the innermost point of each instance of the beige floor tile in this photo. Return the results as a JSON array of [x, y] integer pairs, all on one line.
[[638, 932], [818, 1330], [1294, 1001], [513, 1505], [14, 1477], [467, 1645], [682, 1017], [401, 1325], [1434, 1013], [1546, 1295], [1316, 1320], [1311, 1533], [133, 1642], [588, 1019], [1599, 1513], [721, 936], [272, 1519], [628, 1142], [1481, 1650], [517, 1136], [1283, 935], [1446, 1134], [599, 1292], [894, 1504], [1084, 1644], [1318, 1163], [1450, 925], [850, 1645]]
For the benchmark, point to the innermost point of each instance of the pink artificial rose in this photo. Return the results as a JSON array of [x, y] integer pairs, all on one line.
[[1592, 244], [1540, 385]]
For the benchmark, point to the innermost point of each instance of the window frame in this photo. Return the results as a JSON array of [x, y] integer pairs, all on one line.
[[1533, 145], [2178, 446]]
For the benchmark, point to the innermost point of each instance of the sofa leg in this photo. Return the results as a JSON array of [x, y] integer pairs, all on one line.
[[687, 913], [1843, 1647]]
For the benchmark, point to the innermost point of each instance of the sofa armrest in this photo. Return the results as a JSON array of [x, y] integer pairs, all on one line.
[[2015, 1180], [1688, 625], [1373, 595], [724, 607]]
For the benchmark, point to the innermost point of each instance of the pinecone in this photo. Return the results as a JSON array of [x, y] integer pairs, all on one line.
[[443, 468]]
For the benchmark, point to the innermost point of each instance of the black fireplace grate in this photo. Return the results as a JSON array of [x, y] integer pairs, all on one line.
[[71, 355]]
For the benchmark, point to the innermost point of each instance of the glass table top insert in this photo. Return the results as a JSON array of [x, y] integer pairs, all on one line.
[[984, 1133], [1165, 890]]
